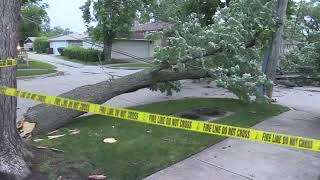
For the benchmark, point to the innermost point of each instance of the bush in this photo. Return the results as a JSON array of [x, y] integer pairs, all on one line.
[[60, 50], [40, 45], [82, 54]]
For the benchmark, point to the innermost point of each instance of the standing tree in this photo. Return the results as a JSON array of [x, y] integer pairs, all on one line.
[[274, 56], [34, 20], [13, 152], [114, 19]]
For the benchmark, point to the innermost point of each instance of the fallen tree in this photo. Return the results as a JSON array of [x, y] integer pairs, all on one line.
[[218, 51], [49, 118]]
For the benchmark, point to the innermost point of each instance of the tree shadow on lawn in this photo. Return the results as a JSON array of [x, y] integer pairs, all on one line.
[[141, 149]]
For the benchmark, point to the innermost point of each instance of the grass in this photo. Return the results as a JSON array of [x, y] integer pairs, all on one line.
[[113, 61], [35, 68], [132, 65], [141, 149]]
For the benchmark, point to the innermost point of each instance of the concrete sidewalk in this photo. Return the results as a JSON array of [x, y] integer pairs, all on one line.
[[239, 159]]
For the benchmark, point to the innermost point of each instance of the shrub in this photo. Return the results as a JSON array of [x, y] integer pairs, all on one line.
[[82, 54], [60, 50], [40, 45]]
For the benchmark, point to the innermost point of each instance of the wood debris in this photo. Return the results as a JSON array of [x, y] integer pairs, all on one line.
[[97, 177], [110, 140], [55, 137]]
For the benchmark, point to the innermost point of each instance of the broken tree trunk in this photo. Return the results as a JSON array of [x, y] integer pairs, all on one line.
[[274, 56], [13, 151], [49, 118]]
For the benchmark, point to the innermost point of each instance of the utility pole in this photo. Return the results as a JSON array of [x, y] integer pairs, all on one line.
[[272, 59]]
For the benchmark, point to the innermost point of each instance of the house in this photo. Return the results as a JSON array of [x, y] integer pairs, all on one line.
[[136, 45], [64, 42], [28, 43]]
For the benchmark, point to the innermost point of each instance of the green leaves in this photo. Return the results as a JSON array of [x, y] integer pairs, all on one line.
[[235, 65], [114, 18]]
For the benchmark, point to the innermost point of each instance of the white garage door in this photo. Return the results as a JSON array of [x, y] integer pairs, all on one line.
[[56, 44]]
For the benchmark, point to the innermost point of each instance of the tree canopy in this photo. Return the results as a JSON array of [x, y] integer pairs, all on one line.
[[166, 10], [34, 19]]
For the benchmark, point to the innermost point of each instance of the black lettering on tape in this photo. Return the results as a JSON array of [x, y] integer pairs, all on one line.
[[102, 110], [217, 129], [168, 121], [84, 107], [153, 118], [117, 113], [161, 120], [266, 137], [186, 124], [175, 122], [111, 112], [207, 127], [42, 98], [76, 105], [306, 143], [243, 133], [224, 130], [293, 141], [285, 140], [57, 101], [133, 115], [276, 139], [232, 131], [123, 114], [65, 103], [70, 104]]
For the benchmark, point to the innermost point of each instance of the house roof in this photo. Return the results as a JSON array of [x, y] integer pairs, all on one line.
[[150, 26], [67, 38], [31, 38]]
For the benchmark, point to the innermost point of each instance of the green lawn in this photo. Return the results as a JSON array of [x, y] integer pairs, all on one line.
[[141, 149], [132, 65], [35, 68], [113, 61]]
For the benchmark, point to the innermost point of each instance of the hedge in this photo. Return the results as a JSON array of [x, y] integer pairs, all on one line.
[[81, 54], [40, 45]]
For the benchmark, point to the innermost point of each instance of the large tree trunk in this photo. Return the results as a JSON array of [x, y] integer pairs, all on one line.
[[280, 12], [12, 148], [49, 118], [107, 50]]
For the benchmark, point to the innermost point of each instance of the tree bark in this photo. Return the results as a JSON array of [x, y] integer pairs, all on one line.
[[271, 68], [49, 118], [107, 50], [13, 152]]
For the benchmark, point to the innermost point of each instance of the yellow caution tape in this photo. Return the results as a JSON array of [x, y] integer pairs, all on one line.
[[8, 63], [171, 121]]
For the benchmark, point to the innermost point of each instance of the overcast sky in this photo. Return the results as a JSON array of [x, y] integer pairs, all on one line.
[[66, 13]]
